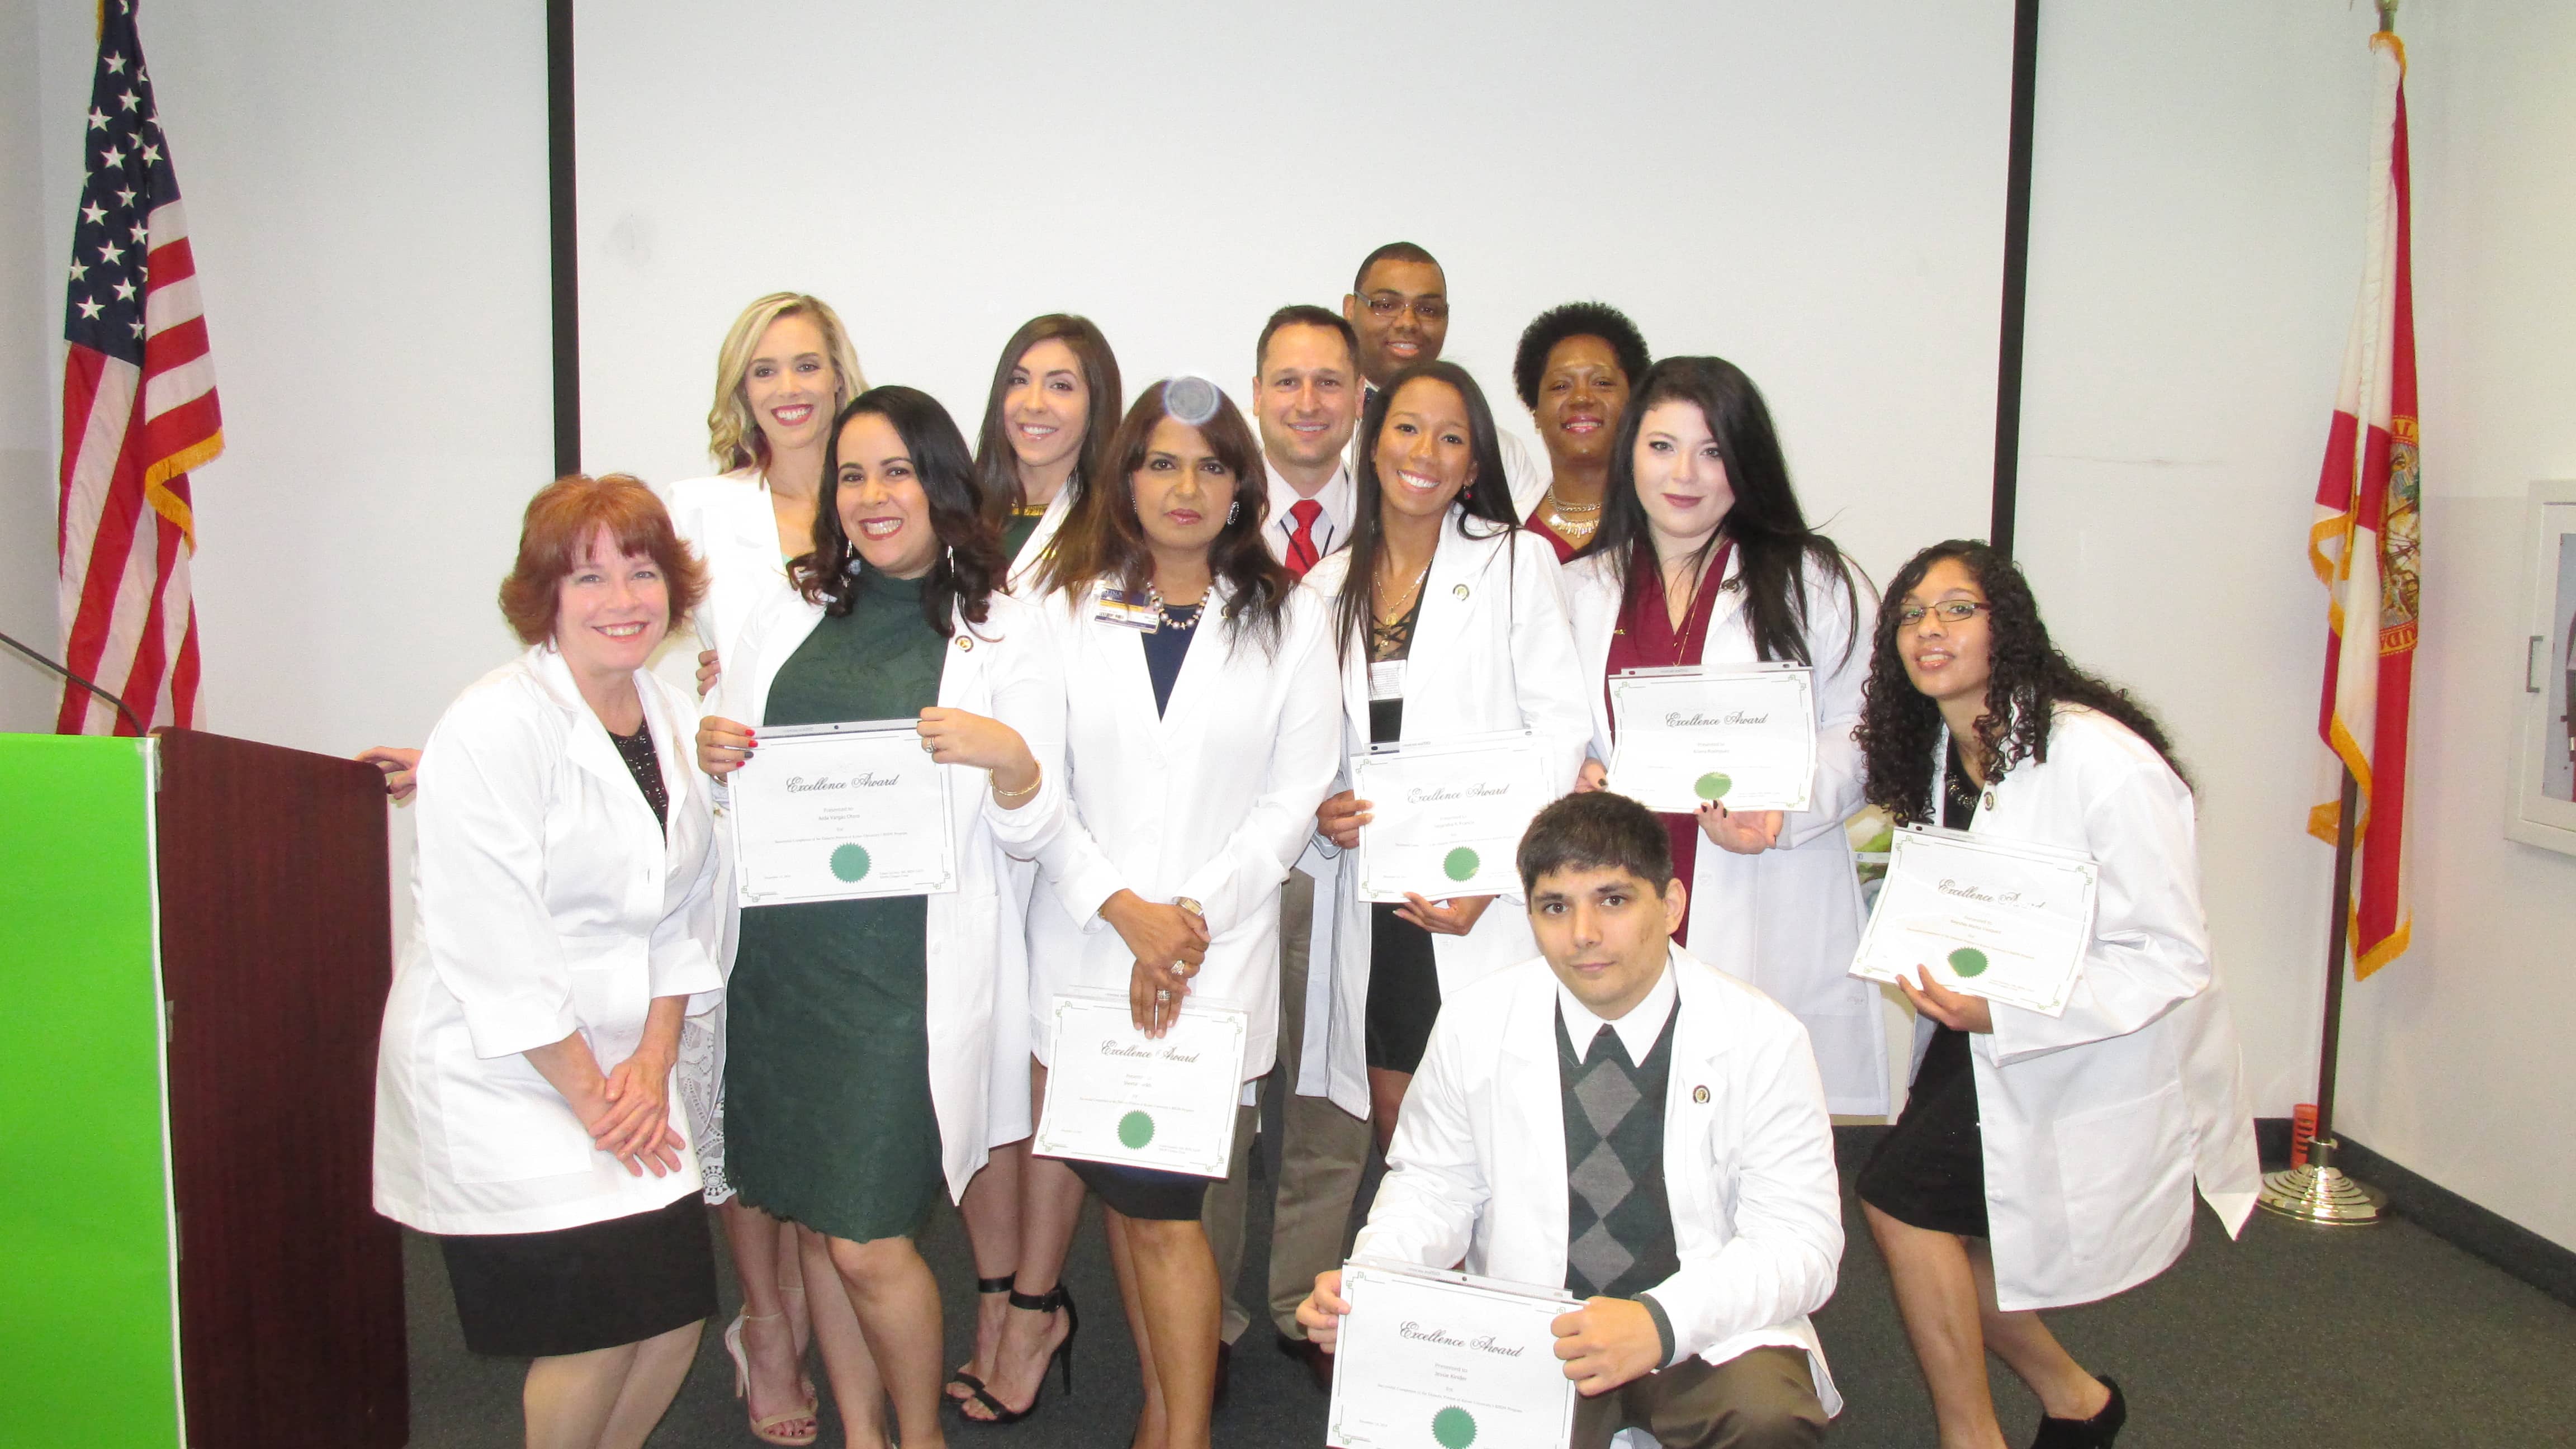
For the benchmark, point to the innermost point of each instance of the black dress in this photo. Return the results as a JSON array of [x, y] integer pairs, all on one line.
[[1929, 1171], [597, 1285], [1404, 975]]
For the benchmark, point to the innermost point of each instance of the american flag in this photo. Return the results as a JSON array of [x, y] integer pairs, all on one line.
[[139, 410]]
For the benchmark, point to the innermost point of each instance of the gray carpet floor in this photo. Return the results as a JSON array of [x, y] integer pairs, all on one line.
[[2383, 1336]]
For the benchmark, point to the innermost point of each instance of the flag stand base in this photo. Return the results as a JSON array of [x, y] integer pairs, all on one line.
[[2321, 1193]]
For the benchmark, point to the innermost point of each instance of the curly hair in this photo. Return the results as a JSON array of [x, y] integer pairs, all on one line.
[[1576, 319], [2027, 679], [734, 438]]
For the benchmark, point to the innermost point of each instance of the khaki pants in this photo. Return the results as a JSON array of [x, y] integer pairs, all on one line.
[[1322, 1152], [1761, 1399]]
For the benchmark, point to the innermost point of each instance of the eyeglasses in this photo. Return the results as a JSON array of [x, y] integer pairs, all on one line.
[[1948, 611], [1391, 306]]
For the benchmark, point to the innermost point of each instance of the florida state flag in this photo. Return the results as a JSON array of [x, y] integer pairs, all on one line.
[[2366, 543]]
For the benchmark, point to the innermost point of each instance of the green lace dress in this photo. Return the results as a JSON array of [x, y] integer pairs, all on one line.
[[828, 1118]]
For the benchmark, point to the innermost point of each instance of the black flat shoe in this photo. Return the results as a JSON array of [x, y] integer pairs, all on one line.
[[2094, 1433]]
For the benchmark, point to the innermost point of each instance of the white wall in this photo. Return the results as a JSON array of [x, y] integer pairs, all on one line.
[[1815, 192], [2195, 256], [2456, 1054], [33, 250]]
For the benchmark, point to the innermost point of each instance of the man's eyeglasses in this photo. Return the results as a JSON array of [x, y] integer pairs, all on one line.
[[1948, 611], [1391, 306]]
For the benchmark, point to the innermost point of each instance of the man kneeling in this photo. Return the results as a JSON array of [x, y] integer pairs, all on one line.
[[1675, 1170]]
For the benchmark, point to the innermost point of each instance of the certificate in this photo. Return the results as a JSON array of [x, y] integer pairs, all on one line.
[[2008, 920], [838, 812], [1438, 1360], [1746, 737], [1115, 1095], [1447, 818]]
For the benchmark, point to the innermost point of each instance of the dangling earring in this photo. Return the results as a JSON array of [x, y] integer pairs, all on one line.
[[1233, 511]]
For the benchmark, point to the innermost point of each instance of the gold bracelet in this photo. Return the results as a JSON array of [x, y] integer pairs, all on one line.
[[1001, 794]]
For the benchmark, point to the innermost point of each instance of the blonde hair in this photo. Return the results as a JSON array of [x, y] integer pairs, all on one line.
[[734, 438]]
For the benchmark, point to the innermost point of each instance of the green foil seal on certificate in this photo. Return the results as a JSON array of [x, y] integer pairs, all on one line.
[[1741, 737], [1447, 818], [1444, 1360], [2008, 920], [1114, 1094], [838, 812]]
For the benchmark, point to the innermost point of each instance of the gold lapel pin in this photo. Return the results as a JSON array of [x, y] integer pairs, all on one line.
[[965, 643], [1699, 1094], [1460, 591]]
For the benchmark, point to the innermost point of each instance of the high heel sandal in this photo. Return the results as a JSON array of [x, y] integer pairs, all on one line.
[[964, 1377], [1047, 1302], [766, 1428]]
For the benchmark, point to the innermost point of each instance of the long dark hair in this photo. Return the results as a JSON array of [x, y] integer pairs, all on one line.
[[1486, 500], [966, 571], [1104, 540], [1900, 726], [997, 467], [1769, 529]]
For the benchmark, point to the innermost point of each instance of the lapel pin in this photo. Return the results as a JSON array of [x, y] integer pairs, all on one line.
[[1699, 1094], [965, 643], [1460, 591], [1989, 801]]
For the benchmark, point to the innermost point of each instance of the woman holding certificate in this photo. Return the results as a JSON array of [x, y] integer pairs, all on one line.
[[856, 1065], [565, 921], [2043, 1160], [1450, 627], [1705, 562], [1054, 401], [1199, 733]]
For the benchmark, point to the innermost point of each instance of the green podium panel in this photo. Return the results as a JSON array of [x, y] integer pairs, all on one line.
[[89, 1298]]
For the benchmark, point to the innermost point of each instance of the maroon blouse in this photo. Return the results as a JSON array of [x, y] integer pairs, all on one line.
[[1535, 523], [1644, 639]]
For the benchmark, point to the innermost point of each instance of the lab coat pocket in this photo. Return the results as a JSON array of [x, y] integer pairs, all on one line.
[[2125, 1171], [504, 1122]]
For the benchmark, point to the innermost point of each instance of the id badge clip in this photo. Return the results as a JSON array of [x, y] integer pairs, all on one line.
[[1128, 609]]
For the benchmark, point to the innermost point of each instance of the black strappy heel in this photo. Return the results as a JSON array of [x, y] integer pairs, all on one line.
[[1047, 1302], [984, 1287]]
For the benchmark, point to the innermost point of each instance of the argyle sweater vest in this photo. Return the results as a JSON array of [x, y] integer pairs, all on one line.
[[1619, 1221]]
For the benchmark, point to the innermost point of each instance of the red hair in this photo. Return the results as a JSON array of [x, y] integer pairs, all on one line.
[[558, 526]]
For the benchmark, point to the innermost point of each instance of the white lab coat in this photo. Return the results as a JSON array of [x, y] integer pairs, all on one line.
[[733, 525], [1213, 800], [731, 522], [995, 669], [1491, 651], [2096, 1123], [1788, 920], [546, 900], [1024, 567], [1478, 1165]]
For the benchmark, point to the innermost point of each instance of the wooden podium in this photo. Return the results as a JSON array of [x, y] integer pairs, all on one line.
[[199, 946]]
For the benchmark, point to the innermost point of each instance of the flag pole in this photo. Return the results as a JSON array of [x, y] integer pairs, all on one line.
[[2317, 1191]]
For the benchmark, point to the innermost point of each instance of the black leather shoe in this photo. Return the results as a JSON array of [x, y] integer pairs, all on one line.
[[2094, 1433], [1319, 1364]]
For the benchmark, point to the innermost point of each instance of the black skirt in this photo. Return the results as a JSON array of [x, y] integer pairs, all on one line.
[[599, 1285], [1144, 1192], [1929, 1171], [1403, 991]]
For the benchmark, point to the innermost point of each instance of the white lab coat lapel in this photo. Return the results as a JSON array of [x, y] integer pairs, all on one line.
[[1527, 1215], [587, 746], [1024, 569]]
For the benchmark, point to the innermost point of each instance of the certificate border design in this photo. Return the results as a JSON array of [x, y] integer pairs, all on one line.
[[1620, 684], [747, 898], [1523, 741], [1223, 1157]]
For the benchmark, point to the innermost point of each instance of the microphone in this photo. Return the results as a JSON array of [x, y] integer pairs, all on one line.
[[76, 679]]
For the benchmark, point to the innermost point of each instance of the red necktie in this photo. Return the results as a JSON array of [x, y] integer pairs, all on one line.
[[1301, 544]]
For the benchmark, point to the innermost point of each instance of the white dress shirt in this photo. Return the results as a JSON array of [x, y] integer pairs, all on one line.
[[1339, 497], [1637, 1030]]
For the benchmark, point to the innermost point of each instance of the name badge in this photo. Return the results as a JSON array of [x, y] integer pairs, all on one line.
[[1128, 610], [1386, 679]]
